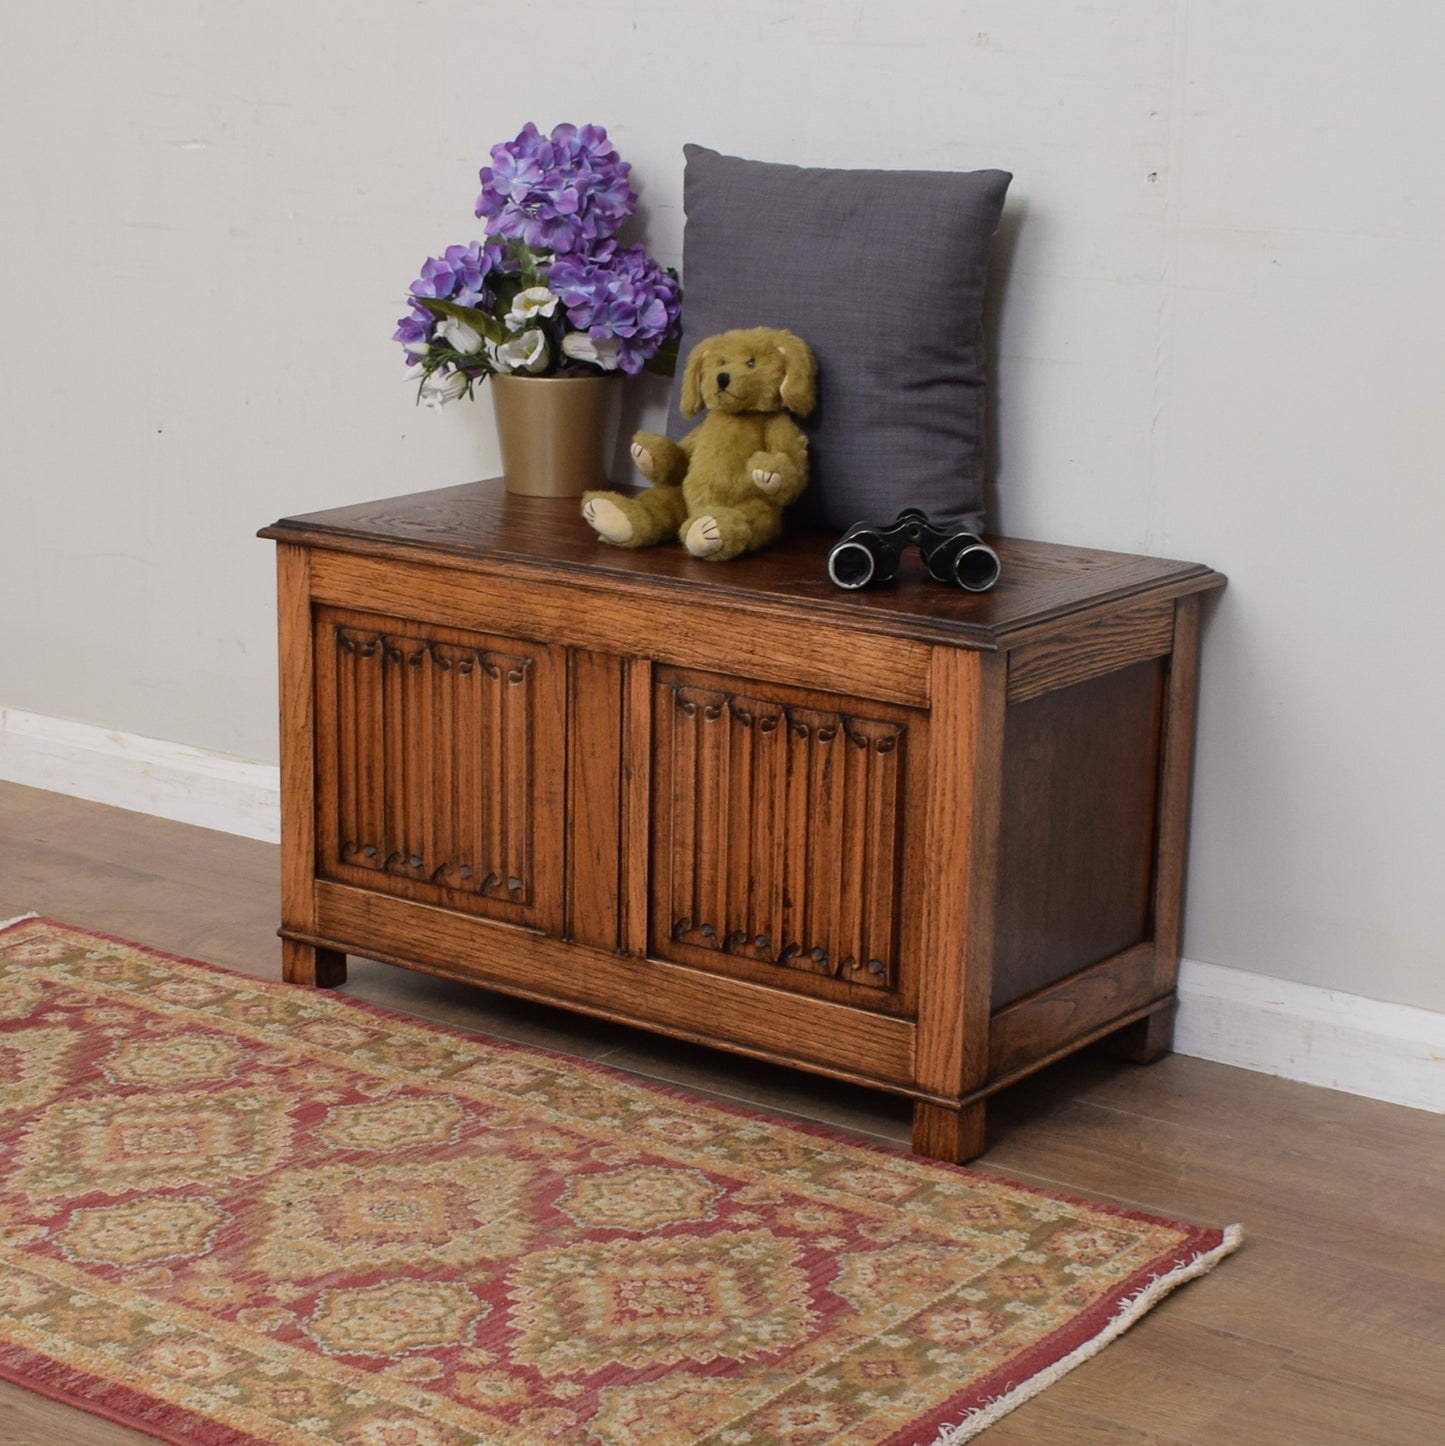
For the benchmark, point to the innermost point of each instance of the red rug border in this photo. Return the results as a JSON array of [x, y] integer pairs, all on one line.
[[182, 1427], [1005, 1387]]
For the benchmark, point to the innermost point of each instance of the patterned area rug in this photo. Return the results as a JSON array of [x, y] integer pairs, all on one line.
[[241, 1212]]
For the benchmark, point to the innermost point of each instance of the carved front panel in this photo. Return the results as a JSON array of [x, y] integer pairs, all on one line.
[[435, 761], [780, 833]]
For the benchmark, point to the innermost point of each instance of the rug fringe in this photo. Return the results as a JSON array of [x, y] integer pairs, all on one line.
[[1130, 1310], [18, 919]]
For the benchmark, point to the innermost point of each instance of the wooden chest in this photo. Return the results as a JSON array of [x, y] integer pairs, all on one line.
[[912, 837]]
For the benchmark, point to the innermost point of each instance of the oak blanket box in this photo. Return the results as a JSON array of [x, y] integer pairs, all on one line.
[[911, 837]]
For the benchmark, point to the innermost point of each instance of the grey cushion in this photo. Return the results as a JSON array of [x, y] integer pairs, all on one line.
[[882, 273]]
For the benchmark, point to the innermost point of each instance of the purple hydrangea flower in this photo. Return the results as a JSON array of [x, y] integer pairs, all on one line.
[[414, 332], [625, 295], [558, 193], [460, 274]]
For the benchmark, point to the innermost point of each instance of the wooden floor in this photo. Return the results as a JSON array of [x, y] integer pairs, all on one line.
[[1328, 1326]]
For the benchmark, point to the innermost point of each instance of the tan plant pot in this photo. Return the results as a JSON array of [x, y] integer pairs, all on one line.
[[557, 434]]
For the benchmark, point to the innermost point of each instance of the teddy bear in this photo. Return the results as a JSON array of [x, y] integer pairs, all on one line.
[[722, 489]]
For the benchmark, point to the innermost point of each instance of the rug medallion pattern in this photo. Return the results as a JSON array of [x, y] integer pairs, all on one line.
[[241, 1212]]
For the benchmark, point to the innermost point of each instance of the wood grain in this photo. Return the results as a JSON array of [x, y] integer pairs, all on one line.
[[1078, 828], [955, 964], [673, 998], [1304, 1405], [302, 964], [1077, 1008], [638, 831], [1094, 645], [1176, 769], [727, 635], [594, 812], [480, 527]]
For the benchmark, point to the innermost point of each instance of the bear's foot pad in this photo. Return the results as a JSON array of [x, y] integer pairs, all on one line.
[[608, 520], [704, 537]]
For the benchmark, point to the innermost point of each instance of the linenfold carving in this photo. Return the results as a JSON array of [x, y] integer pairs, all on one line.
[[434, 749], [785, 836]]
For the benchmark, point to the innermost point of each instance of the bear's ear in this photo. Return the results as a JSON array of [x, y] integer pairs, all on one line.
[[690, 403], [800, 376]]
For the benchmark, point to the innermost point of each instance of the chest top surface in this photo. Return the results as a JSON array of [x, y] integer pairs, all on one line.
[[481, 527]]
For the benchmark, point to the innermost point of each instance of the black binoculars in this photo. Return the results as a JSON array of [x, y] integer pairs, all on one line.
[[868, 553]]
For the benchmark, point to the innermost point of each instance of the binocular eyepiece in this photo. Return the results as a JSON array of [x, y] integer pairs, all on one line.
[[867, 553]]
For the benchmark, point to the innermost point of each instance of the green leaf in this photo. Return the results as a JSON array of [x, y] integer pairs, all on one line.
[[663, 362], [480, 321]]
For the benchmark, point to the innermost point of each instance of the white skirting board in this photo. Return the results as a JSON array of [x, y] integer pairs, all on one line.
[[149, 775], [1318, 1036]]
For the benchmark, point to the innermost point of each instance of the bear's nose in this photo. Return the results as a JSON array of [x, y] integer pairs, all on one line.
[[723, 378]]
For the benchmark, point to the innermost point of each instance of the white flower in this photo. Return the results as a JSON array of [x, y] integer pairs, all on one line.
[[535, 301], [442, 386], [459, 336], [525, 353], [601, 351]]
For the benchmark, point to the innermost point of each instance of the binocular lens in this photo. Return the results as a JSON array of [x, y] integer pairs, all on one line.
[[850, 565], [976, 568], [867, 553]]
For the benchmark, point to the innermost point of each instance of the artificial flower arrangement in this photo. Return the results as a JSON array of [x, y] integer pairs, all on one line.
[[550, 292]]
